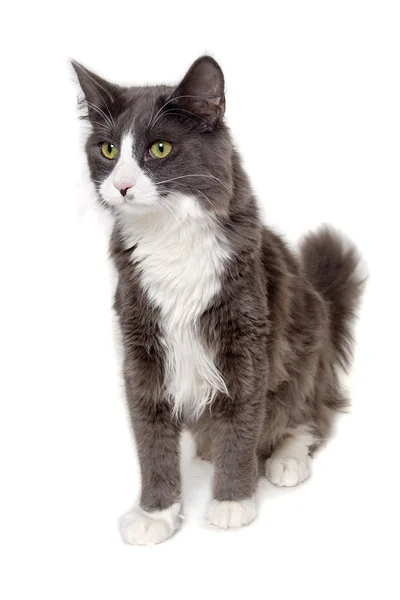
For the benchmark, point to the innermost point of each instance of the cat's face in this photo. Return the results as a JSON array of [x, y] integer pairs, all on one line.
[[150, 148]]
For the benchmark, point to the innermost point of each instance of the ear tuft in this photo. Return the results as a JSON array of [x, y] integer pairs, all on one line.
[[99, 94], [202, 92]]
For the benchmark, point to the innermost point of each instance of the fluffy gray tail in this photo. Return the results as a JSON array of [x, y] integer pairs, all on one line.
[[332, 264]]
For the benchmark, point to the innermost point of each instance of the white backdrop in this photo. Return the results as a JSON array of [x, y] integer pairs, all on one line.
[[313, 100]]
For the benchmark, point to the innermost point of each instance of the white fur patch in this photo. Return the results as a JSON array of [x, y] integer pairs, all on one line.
[[127, 172], [287, 472], [290, 464], [143, 528], [181, 256], [228, 514]]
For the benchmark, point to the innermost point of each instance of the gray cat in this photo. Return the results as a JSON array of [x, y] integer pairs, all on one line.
[[225, 330]]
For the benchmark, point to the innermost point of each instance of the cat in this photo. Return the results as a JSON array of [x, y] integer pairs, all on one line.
[[225, 330]]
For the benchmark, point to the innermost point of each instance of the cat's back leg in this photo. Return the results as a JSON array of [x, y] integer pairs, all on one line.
[[290, 462], [201, 431]]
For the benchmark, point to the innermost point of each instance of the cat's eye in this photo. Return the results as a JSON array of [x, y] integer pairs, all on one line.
[[109, 150], [160, 149]]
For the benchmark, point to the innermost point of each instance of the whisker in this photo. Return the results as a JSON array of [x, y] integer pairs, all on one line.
[[99, 125], [165, 205], [204, 196], [195, 190], [99, 87], [195, 175], [111, 117], [101, 113]]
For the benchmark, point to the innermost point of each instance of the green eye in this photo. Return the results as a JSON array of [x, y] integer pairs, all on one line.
[[160, 149], [109, 150]]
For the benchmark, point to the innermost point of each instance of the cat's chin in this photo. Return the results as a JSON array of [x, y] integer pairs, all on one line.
[[137, 209], [131, 207]]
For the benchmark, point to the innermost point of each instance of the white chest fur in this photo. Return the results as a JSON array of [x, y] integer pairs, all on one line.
[[181, 259]]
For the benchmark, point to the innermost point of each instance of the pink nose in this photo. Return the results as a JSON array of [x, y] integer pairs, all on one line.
[[124, 187], [123, 191]]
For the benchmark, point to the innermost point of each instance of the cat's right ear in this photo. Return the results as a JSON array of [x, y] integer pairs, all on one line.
[[201, 93], [99, 94]]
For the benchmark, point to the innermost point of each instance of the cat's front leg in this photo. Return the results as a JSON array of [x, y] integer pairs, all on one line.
[[235, 427], [157, 434]]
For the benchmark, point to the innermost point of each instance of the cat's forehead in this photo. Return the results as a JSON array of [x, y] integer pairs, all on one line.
[[141, 106]]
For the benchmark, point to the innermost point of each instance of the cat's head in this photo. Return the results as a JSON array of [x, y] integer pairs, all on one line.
[[150, 148]]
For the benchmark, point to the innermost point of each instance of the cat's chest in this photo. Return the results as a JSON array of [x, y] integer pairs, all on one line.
[[181, 273]]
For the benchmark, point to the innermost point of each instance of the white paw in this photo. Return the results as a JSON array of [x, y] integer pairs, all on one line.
[[286, 472], [144, 528], [227, 514]]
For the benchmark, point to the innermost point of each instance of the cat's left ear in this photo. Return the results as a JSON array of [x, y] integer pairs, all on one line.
[[99, 94], [202, 92]]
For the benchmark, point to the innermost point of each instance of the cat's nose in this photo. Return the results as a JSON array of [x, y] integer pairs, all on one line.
[[124, 184], [123, 191]]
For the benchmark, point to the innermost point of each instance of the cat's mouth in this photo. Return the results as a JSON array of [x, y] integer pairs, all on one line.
[[128, 199], [134, 202]]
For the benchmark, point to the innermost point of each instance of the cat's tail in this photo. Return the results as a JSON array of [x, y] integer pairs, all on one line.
[[332, 263]]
